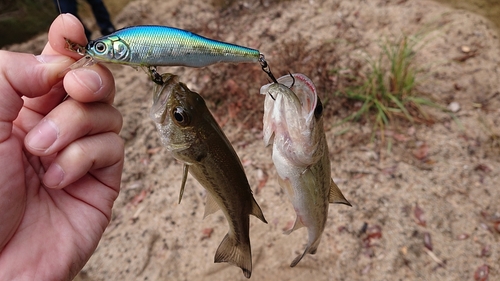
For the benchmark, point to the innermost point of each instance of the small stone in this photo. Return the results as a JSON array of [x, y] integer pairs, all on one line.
[[465, 49], [454, 106]]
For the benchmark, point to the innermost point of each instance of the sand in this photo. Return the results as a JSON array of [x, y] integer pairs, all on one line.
[[439, 181]]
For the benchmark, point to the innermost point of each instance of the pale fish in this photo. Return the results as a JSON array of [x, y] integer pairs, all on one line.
[[190, 132], [293, 122]]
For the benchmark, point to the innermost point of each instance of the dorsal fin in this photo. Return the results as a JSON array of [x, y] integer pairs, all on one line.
[[336, 195], [256, 211]]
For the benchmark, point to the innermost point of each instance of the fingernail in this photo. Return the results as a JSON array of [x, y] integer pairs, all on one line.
[[52, 58], [88, 78], [43, 135], [54, 176]]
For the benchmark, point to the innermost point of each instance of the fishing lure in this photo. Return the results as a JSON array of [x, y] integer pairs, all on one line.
[[149, 46], [154, 45]]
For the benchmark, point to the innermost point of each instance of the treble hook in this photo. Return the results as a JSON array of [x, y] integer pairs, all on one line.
[[266, 68], [293, 80], [155, 76]]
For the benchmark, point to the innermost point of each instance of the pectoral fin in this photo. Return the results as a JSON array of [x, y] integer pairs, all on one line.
[[185, 169], [298, 224], [336, 195], [211, 206], [287, 186]]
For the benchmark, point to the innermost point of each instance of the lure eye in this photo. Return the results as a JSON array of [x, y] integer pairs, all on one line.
[[180, 116], [100, 47]]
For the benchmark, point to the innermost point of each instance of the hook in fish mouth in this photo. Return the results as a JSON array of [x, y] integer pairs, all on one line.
[[267, 69], [293, 80], [290, 87]]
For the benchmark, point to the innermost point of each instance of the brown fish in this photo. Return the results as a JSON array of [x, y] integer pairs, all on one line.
[[190, 132], [293, 122]]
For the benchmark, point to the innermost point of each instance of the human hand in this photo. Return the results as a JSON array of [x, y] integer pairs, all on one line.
[[60, 159]]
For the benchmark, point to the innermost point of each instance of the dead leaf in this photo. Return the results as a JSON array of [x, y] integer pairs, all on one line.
[[428, 241], [400, 137], [232, 87], [233, 109], [486, 251], [138, 198], [466, 56], [421, 152], [288, 226], [207, 233], [482, 273], [374, 232], [419, 215], [262, 178], [482, 168], [391, 170], [154, 150]]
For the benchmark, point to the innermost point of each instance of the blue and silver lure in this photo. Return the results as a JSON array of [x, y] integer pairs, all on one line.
[[153, 45], [149, 46]]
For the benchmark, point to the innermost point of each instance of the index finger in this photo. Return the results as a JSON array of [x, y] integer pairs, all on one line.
[[65, 26], [85, 84]]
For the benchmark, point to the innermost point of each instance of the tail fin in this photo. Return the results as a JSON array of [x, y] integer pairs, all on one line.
[[234, 252], [299, 257], [309, 250]]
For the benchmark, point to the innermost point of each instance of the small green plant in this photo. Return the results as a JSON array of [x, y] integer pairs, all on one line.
[[389, 91]]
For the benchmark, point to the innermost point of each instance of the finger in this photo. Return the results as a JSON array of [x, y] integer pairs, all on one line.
[[28, 75], [70, 121], [88, 84], [87, 154], [65, 26], [44, 104], [25, 75]]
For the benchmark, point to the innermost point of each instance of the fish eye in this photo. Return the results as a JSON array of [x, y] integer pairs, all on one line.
[[180, 116], [100, 47], [319, 109]]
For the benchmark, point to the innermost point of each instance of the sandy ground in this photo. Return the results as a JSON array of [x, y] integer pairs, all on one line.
[[440, 182]]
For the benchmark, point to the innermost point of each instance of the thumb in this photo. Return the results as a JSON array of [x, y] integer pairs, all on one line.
[[25, 75]]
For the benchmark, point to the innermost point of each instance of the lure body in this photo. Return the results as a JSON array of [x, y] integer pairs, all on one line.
[[154, 45]]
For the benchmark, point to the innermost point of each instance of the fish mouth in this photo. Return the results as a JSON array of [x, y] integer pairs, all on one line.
[[289, 118], [161, 96], [302, 91]]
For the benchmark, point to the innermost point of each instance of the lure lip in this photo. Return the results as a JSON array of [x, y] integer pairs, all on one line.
[[75, 47]]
